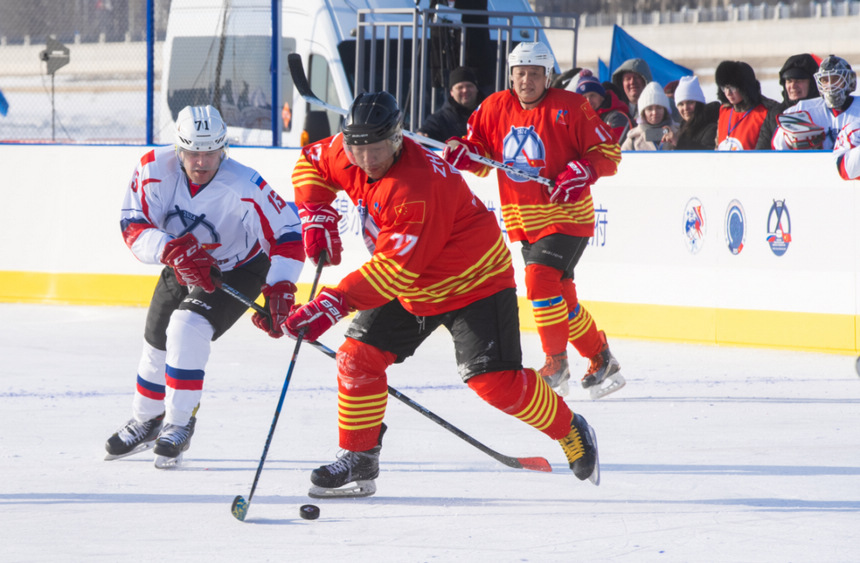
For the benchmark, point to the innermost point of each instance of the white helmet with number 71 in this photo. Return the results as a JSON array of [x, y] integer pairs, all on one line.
[[200, 129]]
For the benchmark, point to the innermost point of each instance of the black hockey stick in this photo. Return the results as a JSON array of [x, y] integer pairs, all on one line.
[[532, 463], [240, 505], [300, 81]]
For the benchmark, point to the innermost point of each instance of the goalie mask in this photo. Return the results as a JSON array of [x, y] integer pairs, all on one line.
[[835, 80]]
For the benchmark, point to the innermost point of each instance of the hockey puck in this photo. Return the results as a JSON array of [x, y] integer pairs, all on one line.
[[309, 511]]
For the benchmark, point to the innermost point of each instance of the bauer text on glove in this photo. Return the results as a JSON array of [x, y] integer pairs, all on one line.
[[319, 232], [319, 315]]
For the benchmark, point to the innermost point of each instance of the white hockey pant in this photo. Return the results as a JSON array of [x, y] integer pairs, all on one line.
[[172, 381]]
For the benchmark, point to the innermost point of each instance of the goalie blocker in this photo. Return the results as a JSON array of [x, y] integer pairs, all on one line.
[[801, 133]]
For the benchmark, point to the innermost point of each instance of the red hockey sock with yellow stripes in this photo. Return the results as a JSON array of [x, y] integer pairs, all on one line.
[[525, 395]]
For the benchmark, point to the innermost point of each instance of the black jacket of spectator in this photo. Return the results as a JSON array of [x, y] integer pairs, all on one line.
[[700, 133], [448, 121]]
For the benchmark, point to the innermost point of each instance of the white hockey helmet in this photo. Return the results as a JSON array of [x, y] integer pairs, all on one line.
[[200, 129], [532, 54], [835, 80]]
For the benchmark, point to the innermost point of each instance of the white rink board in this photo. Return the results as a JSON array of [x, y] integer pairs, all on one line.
[[61, 210]]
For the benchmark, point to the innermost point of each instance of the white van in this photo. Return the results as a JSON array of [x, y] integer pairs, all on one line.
[[220, 53]]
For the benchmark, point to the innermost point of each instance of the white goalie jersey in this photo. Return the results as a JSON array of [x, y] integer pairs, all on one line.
[[235, 217], [821, 116]]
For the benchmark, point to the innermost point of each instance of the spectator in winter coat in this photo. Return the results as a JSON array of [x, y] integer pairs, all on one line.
[[655, 122], [698, 130], [798, 83], [631, 77], [611, 110], [830, 122], [743, 107], [463, 97]]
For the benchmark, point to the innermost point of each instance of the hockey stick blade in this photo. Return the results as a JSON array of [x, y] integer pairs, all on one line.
[[300, 81], [239, 508]]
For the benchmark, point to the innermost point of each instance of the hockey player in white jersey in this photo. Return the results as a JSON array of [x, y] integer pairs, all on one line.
[[207, 219], [817, 123]]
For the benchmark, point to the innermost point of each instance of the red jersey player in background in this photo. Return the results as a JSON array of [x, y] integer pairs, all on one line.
[[437, 259], [555, 134]]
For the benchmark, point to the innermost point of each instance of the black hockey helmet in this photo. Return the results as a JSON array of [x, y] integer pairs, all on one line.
[[373, 117]]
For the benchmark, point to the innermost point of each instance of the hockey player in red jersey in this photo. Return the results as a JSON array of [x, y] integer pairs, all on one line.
[[437, 259], [554, 134], [206, 218]]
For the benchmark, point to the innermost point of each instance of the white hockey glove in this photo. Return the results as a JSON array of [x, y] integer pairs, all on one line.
[[801, 133]]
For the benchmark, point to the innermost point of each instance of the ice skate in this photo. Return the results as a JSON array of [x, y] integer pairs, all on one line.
[[580, 447], [603, 376], [556, 373], [172, 441], [353, 475], [134, 437]]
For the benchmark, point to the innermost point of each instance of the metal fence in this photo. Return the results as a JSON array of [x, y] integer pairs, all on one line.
[[89, 71]]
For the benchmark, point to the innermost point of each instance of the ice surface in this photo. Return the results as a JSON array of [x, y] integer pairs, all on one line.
[[708, 454]]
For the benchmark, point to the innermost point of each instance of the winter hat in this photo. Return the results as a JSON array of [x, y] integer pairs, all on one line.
[[671, 87], [462, 74], [689, 90], [589, 83], [653, 95], [798, 67], [639, 66]]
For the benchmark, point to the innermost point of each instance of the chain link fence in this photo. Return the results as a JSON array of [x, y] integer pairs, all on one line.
[[76, 71]]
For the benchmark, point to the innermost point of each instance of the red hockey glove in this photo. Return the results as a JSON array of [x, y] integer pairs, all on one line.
[[319, 315], [457, 152], [191, 264], [576, 176], [280, 298], [319, 232]]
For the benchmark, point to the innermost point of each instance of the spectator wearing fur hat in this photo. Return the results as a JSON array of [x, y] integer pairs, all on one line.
[[631, 77], [655, 121], [605, 103], [698, 131], [743, 109], [798, 83], [463, 97]]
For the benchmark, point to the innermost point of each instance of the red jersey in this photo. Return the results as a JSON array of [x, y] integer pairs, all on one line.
[[541, 141], [434, 245], [738, 130]]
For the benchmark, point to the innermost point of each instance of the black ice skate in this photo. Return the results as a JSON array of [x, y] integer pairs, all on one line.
[[134, 437], [580, 447], [352, 475], [172, 441], [556, 373], [603, 377]]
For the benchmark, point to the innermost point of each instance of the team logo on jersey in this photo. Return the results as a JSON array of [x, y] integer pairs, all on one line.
[[523, 149], [181, 222], [730, 144], [736, 227], [778, 227], [695, 225], [561, 117]]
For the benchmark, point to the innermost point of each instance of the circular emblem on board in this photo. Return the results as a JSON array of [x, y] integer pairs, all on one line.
[[736, 227]]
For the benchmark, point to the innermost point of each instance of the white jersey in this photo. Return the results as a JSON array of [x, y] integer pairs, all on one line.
[[235, 216], [846, 153], [824, 117]]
